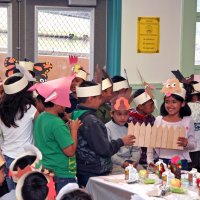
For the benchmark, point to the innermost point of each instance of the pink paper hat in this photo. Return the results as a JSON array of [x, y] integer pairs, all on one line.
[[56, 91]]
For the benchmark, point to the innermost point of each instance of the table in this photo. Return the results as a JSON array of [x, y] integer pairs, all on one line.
[[114, 187]]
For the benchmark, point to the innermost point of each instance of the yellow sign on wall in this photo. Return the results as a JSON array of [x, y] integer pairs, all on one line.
[[148, 35]]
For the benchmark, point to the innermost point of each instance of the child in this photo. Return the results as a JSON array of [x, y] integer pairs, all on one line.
[[72, 192], [194, 104], [103, 112], [175, 112], [142, 114], [52, 136], [3, 184], [17, 112], [119, 83], [81, 76], [94, 150], [33, 186], [117, 128]]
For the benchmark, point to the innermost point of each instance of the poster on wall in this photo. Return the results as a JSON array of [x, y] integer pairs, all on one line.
[[148, 38]]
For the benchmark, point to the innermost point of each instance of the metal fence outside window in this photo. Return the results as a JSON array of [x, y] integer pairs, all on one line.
[[3, 29], [63, 32]]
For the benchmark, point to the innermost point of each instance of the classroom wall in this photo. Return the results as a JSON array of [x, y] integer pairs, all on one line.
[[155, 67]]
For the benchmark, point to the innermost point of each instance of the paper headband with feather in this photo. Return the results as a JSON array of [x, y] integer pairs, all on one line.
[[147, 95], [102, 77]]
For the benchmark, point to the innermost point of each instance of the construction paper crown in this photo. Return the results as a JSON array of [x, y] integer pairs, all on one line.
[[50, 184], [121, 102], [55, 91], [89, 91], [173, 86], [31, 150], [76, 68]]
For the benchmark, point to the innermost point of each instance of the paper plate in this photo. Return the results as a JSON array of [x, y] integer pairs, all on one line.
[[149, 181], [179, 190]]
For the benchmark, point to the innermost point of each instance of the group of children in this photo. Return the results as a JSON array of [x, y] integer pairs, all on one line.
[[81, 126]]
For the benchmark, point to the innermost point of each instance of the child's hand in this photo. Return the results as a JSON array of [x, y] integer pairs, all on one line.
[[128, 140], [74, 125], [182, 141], [125, 164]]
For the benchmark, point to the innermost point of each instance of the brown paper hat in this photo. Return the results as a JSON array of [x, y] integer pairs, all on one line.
[[173, 86], [121, 101]]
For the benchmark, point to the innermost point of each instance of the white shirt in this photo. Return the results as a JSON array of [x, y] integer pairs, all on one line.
[[186, 122], [195, 108], [14, 139]]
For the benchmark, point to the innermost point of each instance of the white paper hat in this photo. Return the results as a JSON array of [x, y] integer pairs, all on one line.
[[106, 83], [89, 91], [66, 189], [196, 88], [20, 184], [27, 65], [16, 86], [31, 150], [82, 74], [120, 85], [142, 98]]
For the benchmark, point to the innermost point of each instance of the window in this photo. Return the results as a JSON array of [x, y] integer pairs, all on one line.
[[4, 32], [197, 35], [61, 32]]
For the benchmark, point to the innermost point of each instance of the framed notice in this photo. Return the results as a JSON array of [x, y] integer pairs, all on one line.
[[148, 40]]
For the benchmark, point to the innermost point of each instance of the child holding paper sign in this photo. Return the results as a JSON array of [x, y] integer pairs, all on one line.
[[117, 128], [175, 112]]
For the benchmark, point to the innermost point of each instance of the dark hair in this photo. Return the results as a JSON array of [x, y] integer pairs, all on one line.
[[117, 78], [76, 195], [138, 92], [35, 187], [46, 104], [184, 111], [15, 105], [189, 91], [24, 162], [85, 84]]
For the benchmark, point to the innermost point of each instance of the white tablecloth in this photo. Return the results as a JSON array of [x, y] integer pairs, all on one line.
[[114, 187]]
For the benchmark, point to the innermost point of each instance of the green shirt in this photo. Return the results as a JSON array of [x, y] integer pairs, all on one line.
[[51, 136], [103, 113]]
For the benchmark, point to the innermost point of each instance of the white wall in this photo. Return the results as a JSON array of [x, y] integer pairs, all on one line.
[[155, 67]]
